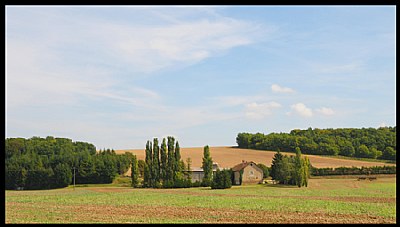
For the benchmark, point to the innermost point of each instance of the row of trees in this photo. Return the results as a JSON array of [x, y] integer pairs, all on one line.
[[363, 143], [44, 163], [353, 170], [292, 170], [163, 166]]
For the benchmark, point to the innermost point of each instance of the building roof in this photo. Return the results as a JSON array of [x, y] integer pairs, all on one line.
[[243, 165]]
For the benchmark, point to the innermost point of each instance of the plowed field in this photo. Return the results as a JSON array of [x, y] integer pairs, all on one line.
[[323, 201]]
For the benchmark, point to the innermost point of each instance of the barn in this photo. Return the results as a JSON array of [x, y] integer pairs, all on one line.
[[198, 173], [251, 173]]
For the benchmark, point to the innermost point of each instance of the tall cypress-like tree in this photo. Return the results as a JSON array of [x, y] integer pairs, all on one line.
[[178, 162], [163, 163], [306, 171], [156, 164], [148, 166], [207, 166], [170, 162], [135, 172], [298, 170]]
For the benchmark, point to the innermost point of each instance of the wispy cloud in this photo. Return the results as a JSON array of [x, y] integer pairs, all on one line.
[[279, 89], [325, 111], [260, 110]]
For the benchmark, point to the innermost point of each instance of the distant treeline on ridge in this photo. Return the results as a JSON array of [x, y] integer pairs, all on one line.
[[352, 142]]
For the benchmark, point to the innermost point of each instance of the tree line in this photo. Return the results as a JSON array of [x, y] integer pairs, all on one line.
[[372, 143], [353, 170], [46, 163]]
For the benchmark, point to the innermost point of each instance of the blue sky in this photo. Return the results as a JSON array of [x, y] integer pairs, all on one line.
[[119, 76]]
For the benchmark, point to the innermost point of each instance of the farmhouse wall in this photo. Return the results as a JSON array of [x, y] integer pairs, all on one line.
[[252, 174]]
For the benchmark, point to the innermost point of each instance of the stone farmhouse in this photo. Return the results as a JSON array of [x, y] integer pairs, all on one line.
[[251, 173]]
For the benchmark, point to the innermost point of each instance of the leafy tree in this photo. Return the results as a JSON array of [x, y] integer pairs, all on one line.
[[299, 172], [389, 153], [135, 172], [62, 175], [147, 181], [156, 164], [207, 166], [221, 179], [170, 171], [141, 165], [163, 161], [265, 170]]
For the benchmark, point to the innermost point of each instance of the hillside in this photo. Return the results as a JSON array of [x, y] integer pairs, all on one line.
[[227, 157]]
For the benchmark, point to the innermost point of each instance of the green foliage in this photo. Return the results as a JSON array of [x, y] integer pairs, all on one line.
[[221, 179], [353, 170], [163, 161], [135, 172], [207, 167], [365, 142], [44, 163], [265, 170], [156, 164], [170, 173], [163, 169], [292, 170]]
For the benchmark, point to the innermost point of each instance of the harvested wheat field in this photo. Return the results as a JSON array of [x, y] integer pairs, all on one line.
[[227, 157]]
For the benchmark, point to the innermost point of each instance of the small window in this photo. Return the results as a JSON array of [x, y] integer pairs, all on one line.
[[251, 172]]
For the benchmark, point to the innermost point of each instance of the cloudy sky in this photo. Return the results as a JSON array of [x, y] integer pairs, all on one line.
[[119, 76]]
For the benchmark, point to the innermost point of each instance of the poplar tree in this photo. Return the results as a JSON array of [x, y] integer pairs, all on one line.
[[135, 172], [306, 171], [170, 162], [163, 163], [207, 166], [148, 165], [178, 161], [298, 170], [156, 164]]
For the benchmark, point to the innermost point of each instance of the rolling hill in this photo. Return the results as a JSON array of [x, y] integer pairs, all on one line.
[[227, 157]]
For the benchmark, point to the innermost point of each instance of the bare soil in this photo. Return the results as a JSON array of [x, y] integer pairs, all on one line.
[[140, 213]]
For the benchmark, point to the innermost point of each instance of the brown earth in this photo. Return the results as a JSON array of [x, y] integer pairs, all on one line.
[[144, 213], [228, 157]]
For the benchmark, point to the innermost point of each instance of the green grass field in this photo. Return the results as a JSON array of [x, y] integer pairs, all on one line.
[[325, 200]]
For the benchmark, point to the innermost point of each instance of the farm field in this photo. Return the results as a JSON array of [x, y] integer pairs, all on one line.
[[325, 200], [228, 157]]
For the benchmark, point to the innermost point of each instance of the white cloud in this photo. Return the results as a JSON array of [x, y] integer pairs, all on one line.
[[382, 125], [279, 89], [325, 111], [186, 42], [260, 110], [301, 110]]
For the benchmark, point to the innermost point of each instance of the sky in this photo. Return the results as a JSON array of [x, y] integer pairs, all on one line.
[[119, 76]]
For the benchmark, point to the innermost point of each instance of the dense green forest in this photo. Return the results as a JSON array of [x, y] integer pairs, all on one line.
[[352, 142], [44, 163]]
